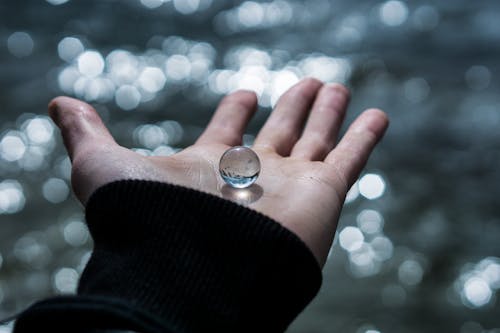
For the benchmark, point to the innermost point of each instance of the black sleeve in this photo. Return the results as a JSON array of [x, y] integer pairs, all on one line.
[[171, 259]]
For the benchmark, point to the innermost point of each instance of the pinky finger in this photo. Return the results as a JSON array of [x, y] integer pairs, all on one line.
[[352, 152]]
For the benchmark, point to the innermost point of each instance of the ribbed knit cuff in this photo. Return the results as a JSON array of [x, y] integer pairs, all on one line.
[[195, 261], [87, 314]]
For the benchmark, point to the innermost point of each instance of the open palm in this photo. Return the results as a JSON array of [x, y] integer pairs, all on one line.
[[304, 175]]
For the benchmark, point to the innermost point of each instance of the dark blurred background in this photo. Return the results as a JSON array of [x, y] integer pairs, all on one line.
[[417, 248]]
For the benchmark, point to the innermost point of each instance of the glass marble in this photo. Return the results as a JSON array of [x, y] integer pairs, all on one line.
[[239, 167]]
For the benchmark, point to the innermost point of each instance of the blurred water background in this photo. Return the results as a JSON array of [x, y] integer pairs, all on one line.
[[417, 249]]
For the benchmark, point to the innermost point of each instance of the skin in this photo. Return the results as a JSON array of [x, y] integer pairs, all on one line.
[[305, 171]]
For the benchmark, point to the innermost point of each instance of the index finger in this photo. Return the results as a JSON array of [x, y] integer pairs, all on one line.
[[230, 119]]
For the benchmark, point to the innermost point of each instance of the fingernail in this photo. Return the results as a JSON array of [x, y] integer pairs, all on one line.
[[338, 87], [53, 108]]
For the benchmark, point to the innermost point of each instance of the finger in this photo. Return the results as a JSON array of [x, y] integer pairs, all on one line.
[[324, 122], [352, 152], [285, 124], [80, 125], [230, 119]]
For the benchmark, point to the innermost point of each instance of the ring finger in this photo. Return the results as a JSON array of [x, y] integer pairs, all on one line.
[[322, 128]]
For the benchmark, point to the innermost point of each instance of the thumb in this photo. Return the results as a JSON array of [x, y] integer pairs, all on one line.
[[80, 125]]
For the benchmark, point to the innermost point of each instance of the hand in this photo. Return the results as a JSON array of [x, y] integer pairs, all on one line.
[[305, 174]]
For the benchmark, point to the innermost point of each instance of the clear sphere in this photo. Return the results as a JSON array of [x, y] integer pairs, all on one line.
[[239, 167]]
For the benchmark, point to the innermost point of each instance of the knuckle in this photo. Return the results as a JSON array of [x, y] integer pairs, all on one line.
[[319, 144]]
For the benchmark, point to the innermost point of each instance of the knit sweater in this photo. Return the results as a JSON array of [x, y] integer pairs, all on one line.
[[172, 259]]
